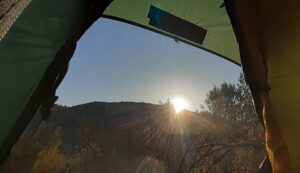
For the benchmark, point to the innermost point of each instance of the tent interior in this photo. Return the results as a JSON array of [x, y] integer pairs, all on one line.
[[38, 39]]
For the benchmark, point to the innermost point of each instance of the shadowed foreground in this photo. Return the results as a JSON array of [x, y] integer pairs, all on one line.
[[132, 137]]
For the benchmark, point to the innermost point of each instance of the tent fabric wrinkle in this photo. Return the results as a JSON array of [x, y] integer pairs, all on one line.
[[9, 12]]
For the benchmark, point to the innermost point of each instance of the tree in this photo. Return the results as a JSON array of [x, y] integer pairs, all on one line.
[[49, 159], [237, 144]]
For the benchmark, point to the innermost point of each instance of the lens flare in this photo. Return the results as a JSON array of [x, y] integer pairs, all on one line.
[[179, 104]]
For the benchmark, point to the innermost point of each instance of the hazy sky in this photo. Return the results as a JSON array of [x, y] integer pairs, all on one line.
[[115, 61]]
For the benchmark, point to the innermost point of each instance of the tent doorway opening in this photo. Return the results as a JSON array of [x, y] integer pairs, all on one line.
[[117, 112]]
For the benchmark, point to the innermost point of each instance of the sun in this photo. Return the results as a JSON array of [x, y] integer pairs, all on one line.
[[179, 104]]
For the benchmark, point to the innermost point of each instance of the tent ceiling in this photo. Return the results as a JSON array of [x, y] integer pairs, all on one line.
[[206, 14]]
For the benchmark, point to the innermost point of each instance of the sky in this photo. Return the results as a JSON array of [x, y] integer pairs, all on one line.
[[115, 61]]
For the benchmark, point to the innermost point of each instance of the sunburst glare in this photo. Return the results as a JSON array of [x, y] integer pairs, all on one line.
[[179, 104]]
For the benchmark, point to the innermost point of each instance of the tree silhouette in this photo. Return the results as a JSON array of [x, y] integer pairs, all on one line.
[[236, 144]]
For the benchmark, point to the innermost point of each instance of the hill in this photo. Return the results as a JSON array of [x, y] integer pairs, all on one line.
[[127, 137], [129, 128]]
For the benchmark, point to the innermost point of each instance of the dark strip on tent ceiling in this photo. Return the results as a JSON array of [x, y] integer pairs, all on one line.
[[175, 25]]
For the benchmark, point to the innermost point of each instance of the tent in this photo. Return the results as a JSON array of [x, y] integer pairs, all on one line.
[[38, 38]]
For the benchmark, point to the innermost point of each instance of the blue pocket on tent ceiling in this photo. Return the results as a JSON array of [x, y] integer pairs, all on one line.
[[175, 25]]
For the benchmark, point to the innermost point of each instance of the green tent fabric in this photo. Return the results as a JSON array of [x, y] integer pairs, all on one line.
[[29, 46], [207, 14]]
